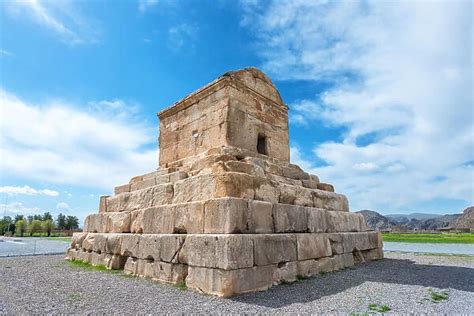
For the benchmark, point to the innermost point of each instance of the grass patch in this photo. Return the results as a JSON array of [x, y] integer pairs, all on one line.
[[87, 266], [438, 296], [448, 238], [181, 285], [65, 239], [379, 308]]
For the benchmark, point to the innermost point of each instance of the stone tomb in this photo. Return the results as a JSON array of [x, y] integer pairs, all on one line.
[[226, 212]]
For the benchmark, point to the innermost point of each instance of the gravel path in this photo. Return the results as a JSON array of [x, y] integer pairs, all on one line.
[[48, 284]]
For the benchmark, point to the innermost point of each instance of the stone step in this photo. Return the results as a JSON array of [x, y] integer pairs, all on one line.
[[150, 180], [226, 216], [227, 251], [227, 184], [226, 265]]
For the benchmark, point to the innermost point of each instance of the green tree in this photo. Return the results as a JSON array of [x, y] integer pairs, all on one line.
[[48, 226], [21, 227], [7, 225], [61, 221], [18, 217], [47, 216], [37, 217], [72, 222], [35, 227]]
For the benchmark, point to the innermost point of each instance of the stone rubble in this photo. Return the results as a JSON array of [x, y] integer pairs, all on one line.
[[226, 212]]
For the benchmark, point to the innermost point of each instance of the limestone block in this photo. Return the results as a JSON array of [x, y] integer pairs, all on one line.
[[218, 251], [169, 272], [97, 259], [325, 187], [162, 179], [71, 254], [88, 242], [178, 175], [95, 223], [266, 190], [274, 248], [197, 188], [103, 203], [140, 178], [294, 172], [330, 201], [312, 267], [115, 262], [99, 241], [336, 244], [243, 167], [170, 247], [188, 218], [229, 282], [342, 222], [113, 244], [137, 221], [233, 184], [84, 255], [289, 218], [77, 239], [317, 222], [260, 217], [118, 222], [122, 189], [310, 183], [225, 216], [304, 196], [343, 261], [285, 272], [373, 254], [130, 245], [355, 242], [149, 246], [375, 239], [287, 194], [131, 266], [313, 246], [161, 195]]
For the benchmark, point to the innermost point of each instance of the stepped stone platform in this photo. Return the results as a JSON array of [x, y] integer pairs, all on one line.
[[226, 212]]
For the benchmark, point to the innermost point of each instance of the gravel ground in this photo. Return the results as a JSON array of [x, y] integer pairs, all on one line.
[[48, 284]]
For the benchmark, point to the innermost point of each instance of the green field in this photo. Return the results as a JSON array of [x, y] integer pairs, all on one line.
[[447, 238]]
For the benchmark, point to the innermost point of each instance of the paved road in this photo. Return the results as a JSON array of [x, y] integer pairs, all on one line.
[[48, 284]]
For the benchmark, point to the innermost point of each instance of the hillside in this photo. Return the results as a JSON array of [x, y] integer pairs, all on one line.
[[419, 221]]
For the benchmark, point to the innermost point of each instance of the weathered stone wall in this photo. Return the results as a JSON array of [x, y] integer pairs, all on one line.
[[218, 215]]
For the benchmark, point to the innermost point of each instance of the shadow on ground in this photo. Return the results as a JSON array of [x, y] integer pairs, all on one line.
[[395, 271]]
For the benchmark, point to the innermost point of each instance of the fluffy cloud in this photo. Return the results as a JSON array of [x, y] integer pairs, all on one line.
[[60, 17], [15, 208], [98, 145], [27, 190], [400, 78]]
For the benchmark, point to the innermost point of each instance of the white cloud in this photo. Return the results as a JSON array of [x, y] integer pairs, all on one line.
[[144, 5], [400, 77], [15, 208], [27, 190], [60, 17], [63, 207], [96, 146]]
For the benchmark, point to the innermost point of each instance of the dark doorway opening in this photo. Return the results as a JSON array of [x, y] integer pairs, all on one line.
[[262, 144]]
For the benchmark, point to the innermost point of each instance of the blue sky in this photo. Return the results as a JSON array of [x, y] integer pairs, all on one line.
[[380, 95]]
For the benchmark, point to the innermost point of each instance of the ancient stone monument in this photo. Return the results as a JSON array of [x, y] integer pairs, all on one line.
[[226, 212]]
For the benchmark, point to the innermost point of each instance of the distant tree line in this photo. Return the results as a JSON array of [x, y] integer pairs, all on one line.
[[45, 224]]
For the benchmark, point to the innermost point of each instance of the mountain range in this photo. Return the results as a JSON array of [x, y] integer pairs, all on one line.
[[419, 221]]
